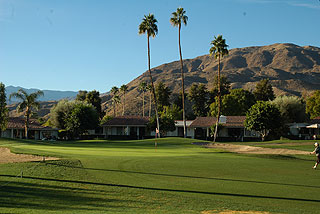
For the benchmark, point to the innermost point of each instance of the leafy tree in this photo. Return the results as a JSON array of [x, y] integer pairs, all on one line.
[[93, 97], [123, 90], [149, 26], [28, 104], [74, 117], [263, 117], [198, 96], [219, 49], [177, 18], [264, 91], [163, 95], [81, 96], [3, 108], [174, 111], [167, 122], [143, 88], [60, 112], [236, 103], [82, 117], [225, 87], [105, 119], [115, 100], [313, 104], [292, 108]]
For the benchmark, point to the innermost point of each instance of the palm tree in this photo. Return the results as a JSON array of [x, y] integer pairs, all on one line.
[[219, 49], [123, 89], [149, 88], [177, 18], [28, 104], [114, 91], [149, 26], [142, 87], [115, 102]]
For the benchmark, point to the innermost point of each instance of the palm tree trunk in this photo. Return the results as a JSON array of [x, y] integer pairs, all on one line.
[[114, 109], [150, 104], [143, 103], [182, 81], [26, 125], [219, 102], [124, 103], [153, 91]]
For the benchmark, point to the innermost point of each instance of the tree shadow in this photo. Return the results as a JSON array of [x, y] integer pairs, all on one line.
[[94, 201], [39, 196], [189, 176]]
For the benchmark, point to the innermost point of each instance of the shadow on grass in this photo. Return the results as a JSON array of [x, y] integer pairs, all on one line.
[[93, 200], [188, 176], [17, 195]]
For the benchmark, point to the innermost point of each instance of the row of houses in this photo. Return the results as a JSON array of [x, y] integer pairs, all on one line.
[[135, 127]]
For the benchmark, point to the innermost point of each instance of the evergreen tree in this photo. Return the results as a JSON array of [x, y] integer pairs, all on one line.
[[3, 108]]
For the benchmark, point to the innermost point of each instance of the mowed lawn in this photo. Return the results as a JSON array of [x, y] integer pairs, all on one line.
[[176, 177]]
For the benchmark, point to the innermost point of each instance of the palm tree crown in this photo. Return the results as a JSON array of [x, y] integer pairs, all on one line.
[[27, 104], [149, 26], [219, 47], [179, 17]]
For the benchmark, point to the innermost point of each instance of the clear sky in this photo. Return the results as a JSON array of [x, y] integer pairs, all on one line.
[[94, 44]]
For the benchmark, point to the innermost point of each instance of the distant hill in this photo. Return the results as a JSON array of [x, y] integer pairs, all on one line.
[[49, 95], [292, 70]]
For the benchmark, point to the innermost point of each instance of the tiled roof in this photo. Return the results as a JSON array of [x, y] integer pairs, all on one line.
[[127, 121], [231, 121], [18, 123]]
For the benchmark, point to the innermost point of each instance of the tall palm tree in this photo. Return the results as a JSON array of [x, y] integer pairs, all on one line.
[[115, 102], [219, 49], [123, 89], [142, 87], [149, 88], [114, 91], [149, 26], [177, 18], [28, 104]]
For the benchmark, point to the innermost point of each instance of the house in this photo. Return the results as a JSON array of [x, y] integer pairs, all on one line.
[[135, 127], [16, 129], [179, 129], [126, 127], [232, 128]]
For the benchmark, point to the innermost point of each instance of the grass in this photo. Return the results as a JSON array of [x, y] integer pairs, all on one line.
[[176, 177]]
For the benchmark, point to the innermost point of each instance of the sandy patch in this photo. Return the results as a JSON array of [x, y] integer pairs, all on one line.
[[7, 157], [256, 150], [233, 212]]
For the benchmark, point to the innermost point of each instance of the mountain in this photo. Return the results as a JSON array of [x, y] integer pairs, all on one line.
[[292, 70], [49, 95]]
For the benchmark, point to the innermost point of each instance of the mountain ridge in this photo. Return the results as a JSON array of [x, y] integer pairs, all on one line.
[[291, 69]]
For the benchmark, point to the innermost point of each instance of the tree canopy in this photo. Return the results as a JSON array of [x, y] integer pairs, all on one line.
[[3, 108], [236, 103], [292, 108], [75, 117], [313, 105], [198, 96], [263, 117], [264, 91]]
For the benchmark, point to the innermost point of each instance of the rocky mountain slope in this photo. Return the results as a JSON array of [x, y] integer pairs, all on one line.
[[292, 70]]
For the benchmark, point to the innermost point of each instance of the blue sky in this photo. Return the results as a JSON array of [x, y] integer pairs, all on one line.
[[94, 44]]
